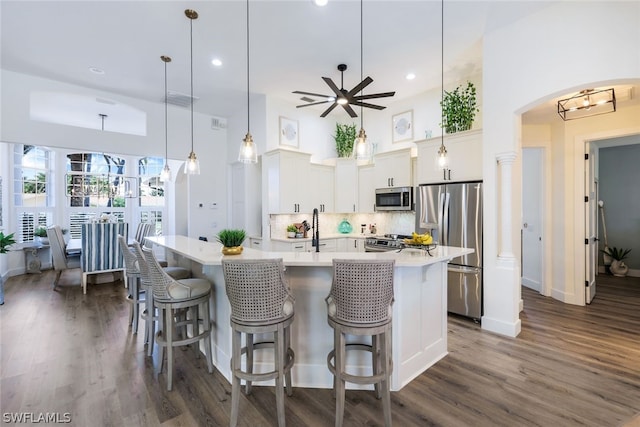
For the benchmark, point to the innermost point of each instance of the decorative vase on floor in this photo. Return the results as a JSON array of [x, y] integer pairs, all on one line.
[[618, 268], [233, 250]]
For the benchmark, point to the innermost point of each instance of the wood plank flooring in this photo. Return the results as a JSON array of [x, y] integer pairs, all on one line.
[[65, 352]]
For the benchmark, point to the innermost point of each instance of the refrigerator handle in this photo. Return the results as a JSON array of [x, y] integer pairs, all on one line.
[[467, 270], [445, 219]]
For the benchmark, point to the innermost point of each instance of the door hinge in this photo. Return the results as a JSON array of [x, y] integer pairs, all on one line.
[[586, 283], [586, 241], [586, 156], [586, 199]]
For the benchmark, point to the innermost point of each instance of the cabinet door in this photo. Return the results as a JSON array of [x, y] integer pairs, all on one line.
[[326, 245], [286, 191], [346, 186], [355, 244], [366, 189], [427, 169], [255, 243], [464, 152], [288, 247], [320, 188], [393, 169]]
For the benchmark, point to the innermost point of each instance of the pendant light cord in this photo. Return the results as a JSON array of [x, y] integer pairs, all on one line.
[[248, 108], [361, 66], [442, 74], [166, 139], [191, 40]]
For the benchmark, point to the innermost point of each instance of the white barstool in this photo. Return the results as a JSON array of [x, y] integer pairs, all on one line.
[[360, 304], [260, 304]]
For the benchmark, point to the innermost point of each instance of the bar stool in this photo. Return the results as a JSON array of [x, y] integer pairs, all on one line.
[[149, 313], [260, 304], [360, 304], [132, 282], [173, 297]]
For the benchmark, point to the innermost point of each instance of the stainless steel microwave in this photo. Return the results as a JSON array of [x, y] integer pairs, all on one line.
[[394, 199]]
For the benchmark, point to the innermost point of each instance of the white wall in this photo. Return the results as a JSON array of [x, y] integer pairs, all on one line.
[[524, 64]]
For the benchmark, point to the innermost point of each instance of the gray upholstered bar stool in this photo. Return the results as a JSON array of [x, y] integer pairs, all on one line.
[[149, 312], [172, 297], [360, 304], [260, 304], [132, 282]]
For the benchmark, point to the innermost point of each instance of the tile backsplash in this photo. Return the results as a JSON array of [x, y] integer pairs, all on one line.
[[385, 223]]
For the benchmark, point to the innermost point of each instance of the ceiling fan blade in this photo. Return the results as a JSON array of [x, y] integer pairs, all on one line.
[[333, 86], [311, 94], [360, 86], [349, 110], [373, 95], [313, 103], [364, 104], [328, 110]]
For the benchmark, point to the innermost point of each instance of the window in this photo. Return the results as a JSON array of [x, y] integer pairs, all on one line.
[[152, 200], [32, 189]]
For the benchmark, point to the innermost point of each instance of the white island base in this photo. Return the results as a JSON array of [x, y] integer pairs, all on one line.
[[419, 311]]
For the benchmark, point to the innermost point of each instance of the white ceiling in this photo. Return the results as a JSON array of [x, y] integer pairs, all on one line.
[[293, 44]]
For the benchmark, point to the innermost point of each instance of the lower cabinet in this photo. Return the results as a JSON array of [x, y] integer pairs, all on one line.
[[278, 246], [354, 244], [255, 243]]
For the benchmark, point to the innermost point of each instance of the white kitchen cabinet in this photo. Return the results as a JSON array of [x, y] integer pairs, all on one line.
[[284, 173], [393, 169], [346, 186], [355, 244], [464, 150], [326, 245], [294, 246], [255, 243], [320, 187], [366, 189]]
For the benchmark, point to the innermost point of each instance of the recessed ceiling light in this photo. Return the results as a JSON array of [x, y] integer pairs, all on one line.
[[95, 70], [410, 76], [321, 2], [217, 62]]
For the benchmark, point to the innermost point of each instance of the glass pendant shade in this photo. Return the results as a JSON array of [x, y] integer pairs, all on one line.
[[361, 147], [192, 165], [248, 152], [443, 160], [165, 175]]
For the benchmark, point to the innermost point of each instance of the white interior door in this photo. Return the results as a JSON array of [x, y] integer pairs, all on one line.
[[532, 209], [591, 217]]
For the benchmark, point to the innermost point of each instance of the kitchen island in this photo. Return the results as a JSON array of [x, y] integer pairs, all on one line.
[[419, 311]]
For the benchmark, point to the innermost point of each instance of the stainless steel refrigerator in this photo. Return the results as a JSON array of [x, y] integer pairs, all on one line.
[[452, 212]]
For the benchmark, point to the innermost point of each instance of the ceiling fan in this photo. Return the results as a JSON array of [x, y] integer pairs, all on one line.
[[343, 97]]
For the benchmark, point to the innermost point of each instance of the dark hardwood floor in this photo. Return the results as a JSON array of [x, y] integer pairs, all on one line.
[[65, 352]]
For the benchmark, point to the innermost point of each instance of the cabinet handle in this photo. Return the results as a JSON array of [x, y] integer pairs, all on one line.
[[355, 244], [256, 243], [354, 207], [392, 182]]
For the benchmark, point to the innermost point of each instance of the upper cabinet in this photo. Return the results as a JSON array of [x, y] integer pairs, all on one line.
[[464, 150], [366, 189], [346, 186], [393, 169], [295, 185], [283, 172]]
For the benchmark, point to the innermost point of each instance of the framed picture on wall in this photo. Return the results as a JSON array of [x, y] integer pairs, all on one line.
[[402, 126], [288, 132]]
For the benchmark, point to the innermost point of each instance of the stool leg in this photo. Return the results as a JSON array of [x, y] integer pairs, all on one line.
[[278, 341], [375, 362], [287, 345], [135, 291], [161, 328], [169, 341], [206, 322], [249, 343], [339, 382], [235, 385], [151, 321], [195, 313], [386, 394]]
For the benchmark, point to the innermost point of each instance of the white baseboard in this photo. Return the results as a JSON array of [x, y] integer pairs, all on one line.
[[632, 271]]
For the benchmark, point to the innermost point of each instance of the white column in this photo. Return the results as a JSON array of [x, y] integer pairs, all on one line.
[[505, 163]]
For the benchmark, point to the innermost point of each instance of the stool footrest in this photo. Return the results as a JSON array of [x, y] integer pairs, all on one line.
[[357, 379]]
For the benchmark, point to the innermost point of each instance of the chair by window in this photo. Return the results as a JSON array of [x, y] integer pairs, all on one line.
[[61, 260]]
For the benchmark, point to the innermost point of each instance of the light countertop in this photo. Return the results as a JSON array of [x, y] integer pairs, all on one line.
[[208, 253]]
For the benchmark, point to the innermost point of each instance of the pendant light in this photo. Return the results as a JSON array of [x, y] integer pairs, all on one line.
[[362, 148], [443, 160], [165, 175], [191, 166], [248, 151]]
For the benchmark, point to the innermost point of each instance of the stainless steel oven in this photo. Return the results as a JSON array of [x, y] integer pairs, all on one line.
[[388, 242]]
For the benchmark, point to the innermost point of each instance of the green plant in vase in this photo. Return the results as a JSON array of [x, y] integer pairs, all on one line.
[[231, 241], [6, 240], [344, 137], [459, 108]]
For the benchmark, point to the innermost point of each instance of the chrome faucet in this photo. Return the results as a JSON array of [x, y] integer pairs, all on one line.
[[315, 233]]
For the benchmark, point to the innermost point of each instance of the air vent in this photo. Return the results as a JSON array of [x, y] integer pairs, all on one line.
[[218, 123], [179, 99]]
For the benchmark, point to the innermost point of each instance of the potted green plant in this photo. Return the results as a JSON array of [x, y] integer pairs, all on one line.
[[231, 241], [291, 231], [5, 242], [618, 267], [344, 137], [459, 108], [41, 234]]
